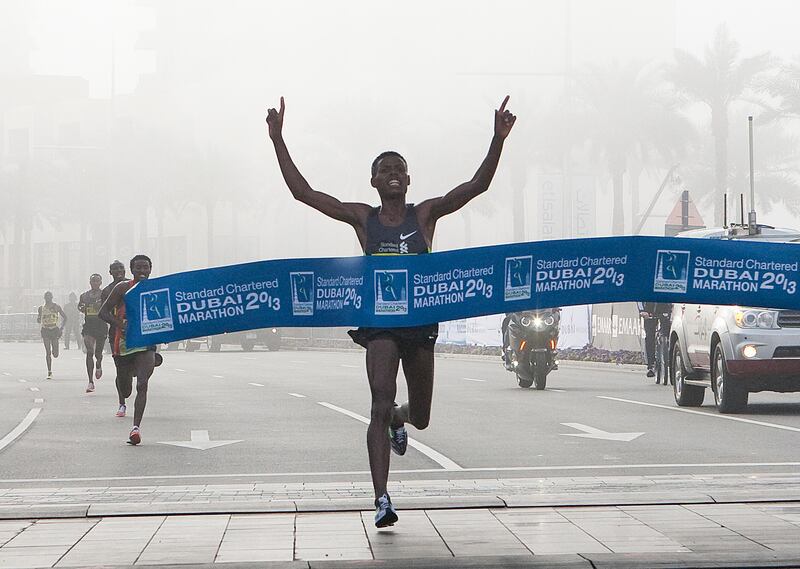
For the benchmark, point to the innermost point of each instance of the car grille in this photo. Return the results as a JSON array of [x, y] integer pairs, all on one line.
[[789, 318], [787, 352]]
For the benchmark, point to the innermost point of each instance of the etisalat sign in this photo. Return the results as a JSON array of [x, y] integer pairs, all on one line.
[[397, 291]]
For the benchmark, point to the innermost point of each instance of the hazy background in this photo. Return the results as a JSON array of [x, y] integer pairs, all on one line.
[[134, 126]]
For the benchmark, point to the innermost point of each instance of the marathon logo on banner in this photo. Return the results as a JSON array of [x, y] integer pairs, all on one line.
[[412, 290]]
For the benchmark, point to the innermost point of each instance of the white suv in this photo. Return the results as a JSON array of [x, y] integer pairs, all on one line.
[[734, 350]]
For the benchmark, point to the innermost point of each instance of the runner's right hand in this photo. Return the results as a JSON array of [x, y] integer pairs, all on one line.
[[275, 121]]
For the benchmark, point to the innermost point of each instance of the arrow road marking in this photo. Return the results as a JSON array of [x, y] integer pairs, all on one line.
[[200, 441], [434, 455], [34, 388], [592, 433], [38, 400]]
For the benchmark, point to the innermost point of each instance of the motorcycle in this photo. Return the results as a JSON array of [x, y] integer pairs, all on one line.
[[530, 344]]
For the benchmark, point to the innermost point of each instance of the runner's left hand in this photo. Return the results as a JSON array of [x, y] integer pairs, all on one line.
[[503, 120]]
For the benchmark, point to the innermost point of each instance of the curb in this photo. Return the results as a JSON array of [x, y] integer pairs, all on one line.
[[103, 510]]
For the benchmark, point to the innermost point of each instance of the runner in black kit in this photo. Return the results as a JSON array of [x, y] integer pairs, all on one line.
[[94, 330], [117, 272], [394, 228]]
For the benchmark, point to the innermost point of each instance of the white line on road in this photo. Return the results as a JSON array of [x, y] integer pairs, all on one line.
[[38, 400], [412, 471], [256, 384], [6, 373], [23, 380], [34, 388], [470, 379], [711, 415], [218, 376], [179, 369], [297, 395], [21, 428], [434, 455], [350, 365], [556, 390]]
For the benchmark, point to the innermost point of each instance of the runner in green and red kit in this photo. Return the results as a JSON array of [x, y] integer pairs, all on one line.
[[130, 362]]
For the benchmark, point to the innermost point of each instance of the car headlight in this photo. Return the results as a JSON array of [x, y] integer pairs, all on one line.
[[756, 319]]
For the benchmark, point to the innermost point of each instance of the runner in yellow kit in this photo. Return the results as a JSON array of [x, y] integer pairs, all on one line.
[[51, 330]]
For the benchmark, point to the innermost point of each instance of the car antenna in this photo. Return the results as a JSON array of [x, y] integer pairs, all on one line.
[[741, 208], [751, 218], [725, 211]]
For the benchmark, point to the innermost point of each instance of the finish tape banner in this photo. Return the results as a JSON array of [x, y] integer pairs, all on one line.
[[411, 290]]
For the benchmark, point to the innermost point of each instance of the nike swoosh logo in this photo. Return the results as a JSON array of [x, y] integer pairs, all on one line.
[[404, 237]]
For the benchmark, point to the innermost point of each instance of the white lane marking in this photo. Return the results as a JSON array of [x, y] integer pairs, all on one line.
[[34, 388], [199, 440], [471, 379], [434, 455], [594, 433], [218, 376], [179, 369], [328, 474], [6, 373], [38, 400], [350, 366], [23, 380], [556, 390], [704, 414], [256, 384], [297, 395], [21, 428]]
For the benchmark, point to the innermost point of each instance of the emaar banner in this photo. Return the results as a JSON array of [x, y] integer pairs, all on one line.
[[411, 290]]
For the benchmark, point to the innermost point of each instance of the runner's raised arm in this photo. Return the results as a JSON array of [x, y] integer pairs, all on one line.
[[354, 214], [431, 210]]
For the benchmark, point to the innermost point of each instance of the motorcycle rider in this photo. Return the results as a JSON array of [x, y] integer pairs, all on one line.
[[507, 352]]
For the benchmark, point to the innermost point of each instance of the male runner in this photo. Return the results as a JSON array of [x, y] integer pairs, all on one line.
[[117, 272], [134, 361], [94, 330], [396, 227], [51, 331], [73, 320]]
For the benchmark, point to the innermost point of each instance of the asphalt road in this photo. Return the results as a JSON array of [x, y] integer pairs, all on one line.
[[292, 412]]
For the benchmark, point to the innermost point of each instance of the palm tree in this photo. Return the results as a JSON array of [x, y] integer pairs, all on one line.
[[627, 117], [717, 80]]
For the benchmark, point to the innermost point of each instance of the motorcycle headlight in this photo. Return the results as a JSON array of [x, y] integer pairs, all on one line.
[[756, 319], [537, 322], [549, 321], [525, 321], [274, 330]]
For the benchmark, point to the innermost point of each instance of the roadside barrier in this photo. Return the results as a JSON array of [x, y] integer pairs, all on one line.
[[412, 290], [20, 327]]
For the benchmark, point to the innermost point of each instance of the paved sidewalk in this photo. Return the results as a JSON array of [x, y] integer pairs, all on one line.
[[692, 535], [647, 521]]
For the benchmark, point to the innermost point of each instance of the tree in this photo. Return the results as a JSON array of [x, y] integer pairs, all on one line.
[[717, 80], [627, 117]]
